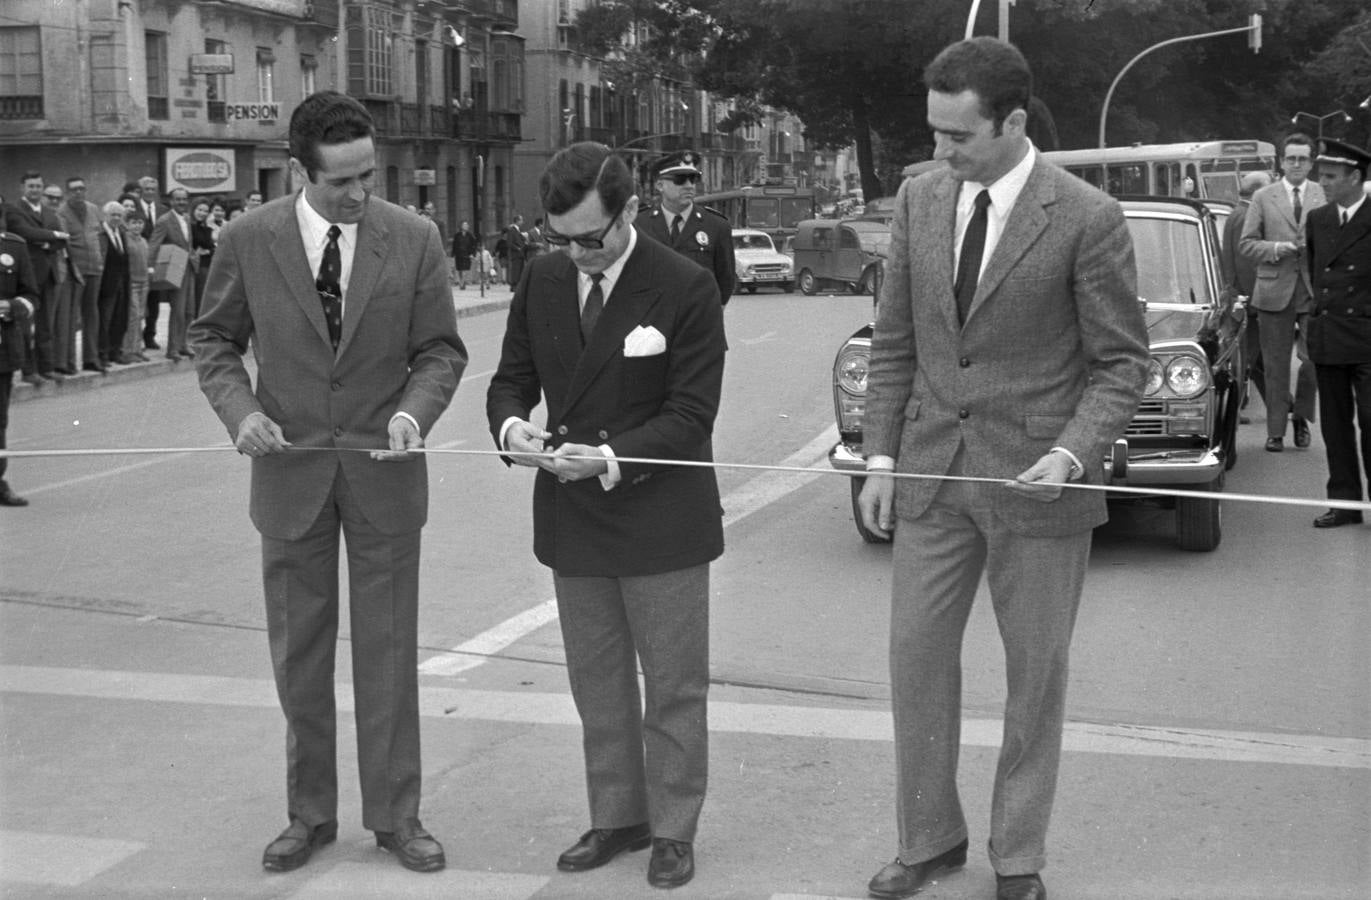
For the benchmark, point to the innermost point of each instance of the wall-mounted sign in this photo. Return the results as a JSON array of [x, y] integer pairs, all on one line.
[[425, 176], [200, 170], [252, 112], [211, 63]]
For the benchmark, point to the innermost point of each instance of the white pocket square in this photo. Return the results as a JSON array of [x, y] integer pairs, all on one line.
[[644, 342]]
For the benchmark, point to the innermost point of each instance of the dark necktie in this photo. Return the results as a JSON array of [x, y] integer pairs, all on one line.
[[675, 229], [969, 263], [1342, 217], [1299, 210], [595, 304], [330, 288]]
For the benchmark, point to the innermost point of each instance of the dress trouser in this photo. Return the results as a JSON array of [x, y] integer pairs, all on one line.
[[301, 585], [1277, 335], [179, 303], [44, 315], [1035, 587], [644, 763], [1345, 406]]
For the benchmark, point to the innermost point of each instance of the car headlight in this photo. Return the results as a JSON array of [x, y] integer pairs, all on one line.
[[851, 370], [1155, 377], [1187, 376]]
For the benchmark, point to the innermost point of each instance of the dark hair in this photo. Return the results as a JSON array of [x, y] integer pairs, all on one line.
[[75, 178], [994, 70], [28, 175], [326, 117], [577, 170], [1298, 137]]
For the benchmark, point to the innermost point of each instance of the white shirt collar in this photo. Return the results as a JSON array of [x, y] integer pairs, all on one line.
[[1006, 189], [1352, 210], [314, 227], [611, 272]]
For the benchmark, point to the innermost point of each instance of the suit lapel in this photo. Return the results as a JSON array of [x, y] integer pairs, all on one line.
[[633, 296], [563, 311], [940, 225], [288, 249], [368, 258], [1027, 221]]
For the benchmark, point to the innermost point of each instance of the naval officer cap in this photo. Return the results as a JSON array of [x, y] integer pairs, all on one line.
[[1341, 153], [683, 162]]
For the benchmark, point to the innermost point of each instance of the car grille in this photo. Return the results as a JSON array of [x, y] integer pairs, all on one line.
[[1150, 419], [768, 268]]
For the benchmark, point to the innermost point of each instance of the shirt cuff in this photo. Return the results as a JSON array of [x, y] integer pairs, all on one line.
[[879, 463], [400, 414], [611, 478], [504, 430], [1077, 470]]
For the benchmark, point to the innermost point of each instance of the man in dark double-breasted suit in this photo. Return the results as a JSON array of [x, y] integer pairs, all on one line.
[[696, 232], [36, 221], [345, 300], [1339, 252], [624, 342]]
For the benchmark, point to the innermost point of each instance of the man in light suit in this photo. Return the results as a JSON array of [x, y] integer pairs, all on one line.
[[173, 227], [1241, 272], [1273, 235], [354, 366], [1009, 344], [623, 338]]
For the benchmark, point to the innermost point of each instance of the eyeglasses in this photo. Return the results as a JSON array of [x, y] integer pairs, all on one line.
[[55, 198], [590, 243], [681, 178], [1298, 160]]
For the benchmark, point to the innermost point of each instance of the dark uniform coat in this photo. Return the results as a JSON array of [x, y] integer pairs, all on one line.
[[16, 280], [706, 237], [1340, 270]]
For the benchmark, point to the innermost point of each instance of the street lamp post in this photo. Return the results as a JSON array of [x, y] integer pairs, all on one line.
[[1294, 120]]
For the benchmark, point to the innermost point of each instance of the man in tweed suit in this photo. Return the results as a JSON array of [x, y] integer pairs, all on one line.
[[1025, 368]]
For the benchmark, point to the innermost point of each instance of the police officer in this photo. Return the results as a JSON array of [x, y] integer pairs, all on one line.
[[1338, 238], [696, 232], [18, 293]]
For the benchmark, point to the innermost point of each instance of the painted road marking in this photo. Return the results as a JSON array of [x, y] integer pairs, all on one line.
[[477, 651], [358, 879], [537, 708], [27, 857]]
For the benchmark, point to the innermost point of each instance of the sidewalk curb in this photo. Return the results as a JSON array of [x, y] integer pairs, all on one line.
[[87, 381]]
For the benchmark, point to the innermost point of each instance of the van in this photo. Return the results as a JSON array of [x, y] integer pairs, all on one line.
[[841, 255]]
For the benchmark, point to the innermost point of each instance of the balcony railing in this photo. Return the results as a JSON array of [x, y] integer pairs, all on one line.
[[477, 125], [21, 107]]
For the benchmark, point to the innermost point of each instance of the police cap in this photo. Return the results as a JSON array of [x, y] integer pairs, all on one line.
[[683, 162], [1341, 153]]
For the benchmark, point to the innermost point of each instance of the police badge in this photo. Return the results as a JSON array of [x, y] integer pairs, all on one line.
[[702, 239]]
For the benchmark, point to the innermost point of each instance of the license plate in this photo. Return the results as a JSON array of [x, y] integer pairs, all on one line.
[[769, 276]]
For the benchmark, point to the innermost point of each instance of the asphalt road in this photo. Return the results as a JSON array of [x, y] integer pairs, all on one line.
[[1219, 741]]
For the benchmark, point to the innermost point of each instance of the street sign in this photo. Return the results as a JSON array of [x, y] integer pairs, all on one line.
[[252, 112], [425, 177], [211, 63], [200, 169]]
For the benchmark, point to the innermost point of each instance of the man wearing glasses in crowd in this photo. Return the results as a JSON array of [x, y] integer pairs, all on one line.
[[624, 340], [1273, 236], [696, 232]]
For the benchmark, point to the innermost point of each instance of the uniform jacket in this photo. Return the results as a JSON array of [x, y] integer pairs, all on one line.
[[1340, 268], [661, 406], [1271, 219], [705, 238], [17, 280], [399, 352], [37, 229], [1053, 352], [83, 247], [168, 231]]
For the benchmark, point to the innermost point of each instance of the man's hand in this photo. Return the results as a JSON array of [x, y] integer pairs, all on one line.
[[877, 503], [524, 437], [1043, 480], [578, 469], [403, 438], [259, 436]]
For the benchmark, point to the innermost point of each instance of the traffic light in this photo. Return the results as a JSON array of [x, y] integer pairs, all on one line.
[[1254, 34]]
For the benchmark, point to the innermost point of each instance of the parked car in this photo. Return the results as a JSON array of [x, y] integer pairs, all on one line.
[[847, 255], [756, 262], [1184, 435]]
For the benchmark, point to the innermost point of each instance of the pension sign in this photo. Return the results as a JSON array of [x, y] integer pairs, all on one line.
[[252, 112]]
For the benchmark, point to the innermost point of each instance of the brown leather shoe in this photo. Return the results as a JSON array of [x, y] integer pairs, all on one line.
[[898, 880], [672, 865], [292, 848], [416, 849], [599, 845], [1019, 887]]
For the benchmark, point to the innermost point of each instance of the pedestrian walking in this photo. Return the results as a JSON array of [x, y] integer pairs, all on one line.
[[1009, 344], [464, 247], [629, 543]]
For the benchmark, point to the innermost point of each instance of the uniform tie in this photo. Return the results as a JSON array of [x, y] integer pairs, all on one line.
[[969, 263], [329, 288], [595, 304], [1299, 210], [675, 229]]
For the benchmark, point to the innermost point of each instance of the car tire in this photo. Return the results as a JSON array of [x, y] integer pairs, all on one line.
[[867, 284], [809, 285], [1199, 519], [867, 534]]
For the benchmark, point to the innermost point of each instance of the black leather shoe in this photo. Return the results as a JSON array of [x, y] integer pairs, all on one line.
[[95, 367], [9, 497], [65, 370], [1335, 517], [599, 845], [416, 849], [672, 865], [34, 379], [1302, 433], [292, 848], [1019, 887], [150, 344], [899, 880], [1275, 445]]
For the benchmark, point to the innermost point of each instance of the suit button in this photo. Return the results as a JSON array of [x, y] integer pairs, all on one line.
[[963, 362], [562, 430], [604, 435], [963, 413]]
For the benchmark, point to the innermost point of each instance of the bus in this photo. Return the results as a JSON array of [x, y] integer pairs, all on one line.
[[1207, 170], [773, 208]]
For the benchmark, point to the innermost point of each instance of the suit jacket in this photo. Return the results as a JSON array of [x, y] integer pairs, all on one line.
[[114, 279], [658, 518], [83, 247], [1340, 268], [1239, 268], [150, 218], [37, 229], [168, 231], [706, 238], [1053, 352], [1271, 219], [399, 352]]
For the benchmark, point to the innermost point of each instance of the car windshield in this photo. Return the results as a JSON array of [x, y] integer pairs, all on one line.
[[752, 242], [1170, 260]]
